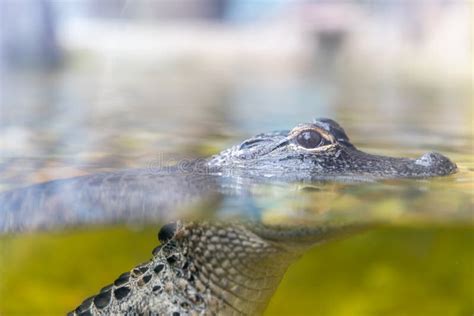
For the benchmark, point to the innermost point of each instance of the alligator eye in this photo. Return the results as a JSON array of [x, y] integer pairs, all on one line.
[[309, 139]]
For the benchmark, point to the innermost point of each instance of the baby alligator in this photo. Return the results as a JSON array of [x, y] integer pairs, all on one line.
[[309, 152], [209, 268]]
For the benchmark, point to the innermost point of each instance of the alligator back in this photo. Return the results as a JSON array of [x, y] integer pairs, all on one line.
[[129, 195]]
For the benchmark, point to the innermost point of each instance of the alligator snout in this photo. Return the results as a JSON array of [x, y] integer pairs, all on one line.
[[436, 163]]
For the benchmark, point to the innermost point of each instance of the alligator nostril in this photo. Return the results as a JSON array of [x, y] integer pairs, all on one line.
[[430, 159], [437, 162]]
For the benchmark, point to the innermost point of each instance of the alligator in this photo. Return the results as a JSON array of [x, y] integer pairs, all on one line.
[[205, 267]]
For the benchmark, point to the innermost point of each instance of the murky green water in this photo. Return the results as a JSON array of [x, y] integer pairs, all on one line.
[[391, 271], [419, 262]]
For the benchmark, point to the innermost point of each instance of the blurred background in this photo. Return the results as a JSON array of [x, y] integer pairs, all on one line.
[[88, 86], [92, 85]]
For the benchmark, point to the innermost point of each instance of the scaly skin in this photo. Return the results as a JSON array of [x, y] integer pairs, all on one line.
[[208, 269]]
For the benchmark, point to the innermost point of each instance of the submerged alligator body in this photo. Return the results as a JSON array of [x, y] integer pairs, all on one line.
[[208, 268]]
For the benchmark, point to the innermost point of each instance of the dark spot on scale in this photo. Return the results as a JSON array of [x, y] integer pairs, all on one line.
[[167, 232], [102, 299], [121, 292], [146, 278], [172, 259], [175, 314], [85, 305], [186, 265], [156, 288], [158, 268], [198, 298], [122, 279], [156, 250], [139, 271]]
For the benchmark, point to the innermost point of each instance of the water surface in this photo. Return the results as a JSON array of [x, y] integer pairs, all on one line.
[[418, 262]]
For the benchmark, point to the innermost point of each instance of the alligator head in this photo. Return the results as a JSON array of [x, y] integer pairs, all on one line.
[[321, 150]]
